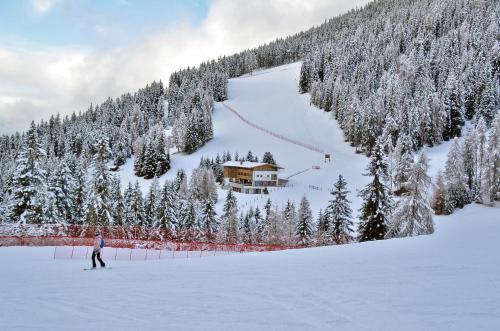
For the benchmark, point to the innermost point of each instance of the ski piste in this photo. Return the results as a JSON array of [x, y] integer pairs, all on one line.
[[89, 269]]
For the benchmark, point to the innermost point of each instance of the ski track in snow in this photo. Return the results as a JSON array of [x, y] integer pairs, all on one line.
[[271, 133]]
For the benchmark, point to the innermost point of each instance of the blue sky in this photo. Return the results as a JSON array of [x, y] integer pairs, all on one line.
[[99, 23]]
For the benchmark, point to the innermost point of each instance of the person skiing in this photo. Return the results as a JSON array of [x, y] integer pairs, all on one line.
[[98, 244]]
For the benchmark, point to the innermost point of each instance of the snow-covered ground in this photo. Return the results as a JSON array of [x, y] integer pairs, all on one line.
[[446, 281]]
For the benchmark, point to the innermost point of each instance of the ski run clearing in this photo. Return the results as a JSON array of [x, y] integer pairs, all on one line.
[[270, 99], [446, 281]]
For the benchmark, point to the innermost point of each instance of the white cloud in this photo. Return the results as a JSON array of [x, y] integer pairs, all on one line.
[[43, 6], [34, 85]]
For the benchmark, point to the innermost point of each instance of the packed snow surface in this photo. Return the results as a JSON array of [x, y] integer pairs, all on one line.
[[447, 281]]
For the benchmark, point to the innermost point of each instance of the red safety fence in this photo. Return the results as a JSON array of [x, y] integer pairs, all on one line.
[[122, 243], [136, 243], [137, 254]]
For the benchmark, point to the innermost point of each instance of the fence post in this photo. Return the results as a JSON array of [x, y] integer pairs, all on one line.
[[72, 251], [55, 250], [86, 253], [159, 256], [116, 252], [131, 254]]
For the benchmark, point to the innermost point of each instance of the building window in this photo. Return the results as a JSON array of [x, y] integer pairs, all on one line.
[[274, 177]]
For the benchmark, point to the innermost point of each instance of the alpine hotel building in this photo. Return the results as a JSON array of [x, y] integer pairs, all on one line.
[[250, 177]]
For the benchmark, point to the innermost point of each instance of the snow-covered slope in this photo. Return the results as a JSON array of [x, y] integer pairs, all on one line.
[[447, 281], [270, 99]]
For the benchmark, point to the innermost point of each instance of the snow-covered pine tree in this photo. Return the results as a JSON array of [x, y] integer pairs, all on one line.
[[470, 153], [304, 77], [149, 161], [162, 155], [128, 217], [487, 108], [139, 153], [274, 231], [259, 225], [453, 108], [377, 204], [28, 183], [322, 237], [208, 219], [122, 147], [208, 187], [191, 135], [490, 183], [413, 214], [246, 228], [218, 170], [268, 158], [402, 160], [249, 157], [438, 201], [267, 215], [179, 129], [167, 208], [98, 203], [190, 222], [457, 192], [137, 206], [339, 213], [207, 108], [117, 204], [151, 205], [304, 223], [250, 62], [481, 156], [180, 177], [62, 186], [290, 223], [229, 221], [49, 210]]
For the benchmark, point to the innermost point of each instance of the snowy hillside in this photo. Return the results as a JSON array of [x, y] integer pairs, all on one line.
[[446, 281], [270, 99]]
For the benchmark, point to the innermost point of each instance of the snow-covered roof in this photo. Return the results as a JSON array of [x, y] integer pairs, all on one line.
[[248, 165]]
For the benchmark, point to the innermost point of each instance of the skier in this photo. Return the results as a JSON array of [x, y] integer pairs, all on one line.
[[98, 244]]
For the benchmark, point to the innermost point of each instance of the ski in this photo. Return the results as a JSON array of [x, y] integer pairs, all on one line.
[[89, 269]]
